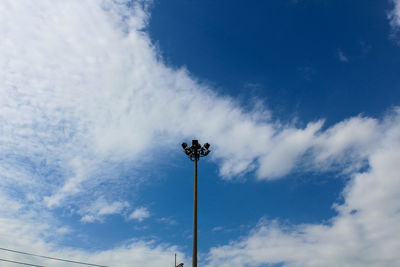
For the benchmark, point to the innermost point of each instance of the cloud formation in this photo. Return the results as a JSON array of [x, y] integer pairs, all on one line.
[[84, 92], [139, 214], [100, 208], [342, 56], [394, 15], [364, 233], [83, 95]]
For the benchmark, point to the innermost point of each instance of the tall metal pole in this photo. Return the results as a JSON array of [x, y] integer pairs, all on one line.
[[194, 254], [195, 152]]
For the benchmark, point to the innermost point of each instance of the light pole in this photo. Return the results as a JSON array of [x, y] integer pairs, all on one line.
[[194, 152]]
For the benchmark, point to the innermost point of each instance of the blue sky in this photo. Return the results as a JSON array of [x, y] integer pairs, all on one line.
[[286, 52], [298, 99]]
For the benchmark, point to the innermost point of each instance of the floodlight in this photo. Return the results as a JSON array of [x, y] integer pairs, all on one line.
[[195, 143], [184, 145], [206, 145]]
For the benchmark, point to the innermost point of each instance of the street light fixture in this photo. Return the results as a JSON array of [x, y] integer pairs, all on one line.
[[195, 152]]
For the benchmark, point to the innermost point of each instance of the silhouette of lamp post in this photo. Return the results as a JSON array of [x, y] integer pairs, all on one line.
[[195, 152]]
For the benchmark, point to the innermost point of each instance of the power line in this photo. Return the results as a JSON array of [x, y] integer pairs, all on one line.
[[51, 258], [91, 245], [22, 263]]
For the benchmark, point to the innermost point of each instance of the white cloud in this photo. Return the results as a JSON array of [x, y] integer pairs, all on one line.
[[394, 15], [83, 94], [167, 220], [217, 228], [341, 56], [366, 231], [100, 208], [287, 147], [139, 214]]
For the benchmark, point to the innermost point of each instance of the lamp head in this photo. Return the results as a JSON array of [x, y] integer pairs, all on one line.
[[195, 143], [184, 145], [207, 146]]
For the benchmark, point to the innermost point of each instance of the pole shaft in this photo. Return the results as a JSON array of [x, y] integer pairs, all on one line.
[[194, 255]]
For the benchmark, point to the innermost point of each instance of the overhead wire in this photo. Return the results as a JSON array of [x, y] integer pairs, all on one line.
[[93, 246], [51, 258], [22, 263]]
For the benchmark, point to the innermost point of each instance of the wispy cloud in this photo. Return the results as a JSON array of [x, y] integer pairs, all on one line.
[[394, 15], [364, 233], [167, 220], [139, 214], [341, 56], [394, 19], [308, 72], [100, 208], [217, 228]]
